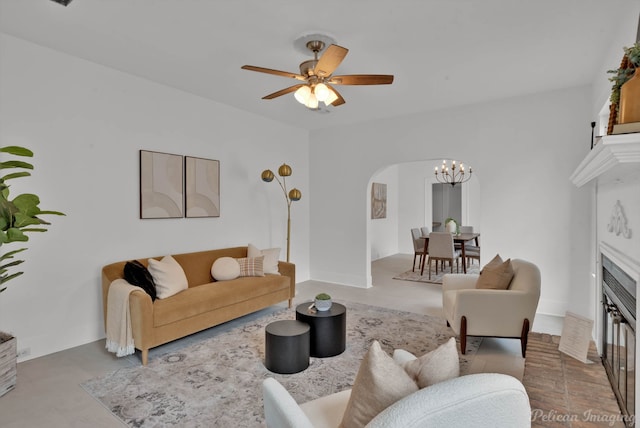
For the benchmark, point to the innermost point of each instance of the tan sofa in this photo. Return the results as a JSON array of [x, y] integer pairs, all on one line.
[[204, 304]]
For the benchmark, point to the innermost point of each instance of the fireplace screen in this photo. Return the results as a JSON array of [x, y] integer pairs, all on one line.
[[618, 340]]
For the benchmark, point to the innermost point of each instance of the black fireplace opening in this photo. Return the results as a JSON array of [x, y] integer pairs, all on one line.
[[619, 338]]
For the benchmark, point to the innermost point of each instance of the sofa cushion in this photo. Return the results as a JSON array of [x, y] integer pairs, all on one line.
[[168, 276], [496, 274], [225, 268], [271, 256], [436, 366], [380, 382], [215, 296], [251, 266], [135, 273]]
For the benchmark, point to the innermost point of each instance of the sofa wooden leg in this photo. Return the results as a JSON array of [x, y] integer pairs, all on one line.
[[524, 336], [145, 356], [463, 334], [290, 303]]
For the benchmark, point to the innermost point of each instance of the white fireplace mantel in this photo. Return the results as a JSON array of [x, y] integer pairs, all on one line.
[[613, 157]]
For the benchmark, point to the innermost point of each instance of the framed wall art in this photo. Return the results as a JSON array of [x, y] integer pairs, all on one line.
[[378, 200], [202, 185], [161, 185]]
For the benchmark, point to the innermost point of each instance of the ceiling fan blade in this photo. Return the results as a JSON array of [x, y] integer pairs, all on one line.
[[362, 79], [275, 72], [339, 101], [282, 92], [330, 60]]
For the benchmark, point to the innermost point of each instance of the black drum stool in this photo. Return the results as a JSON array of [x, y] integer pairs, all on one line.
[[286, 346]]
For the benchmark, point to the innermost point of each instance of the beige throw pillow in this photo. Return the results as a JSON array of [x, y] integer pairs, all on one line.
[[271, 257], [380, 382], [436, 366], [168, 276], [251, 266], [496, 274]]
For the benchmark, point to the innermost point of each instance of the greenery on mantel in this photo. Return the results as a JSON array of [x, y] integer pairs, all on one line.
[[18, 216], [625, 71]]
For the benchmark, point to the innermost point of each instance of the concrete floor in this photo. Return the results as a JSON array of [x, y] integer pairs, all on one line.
[[48, 393]]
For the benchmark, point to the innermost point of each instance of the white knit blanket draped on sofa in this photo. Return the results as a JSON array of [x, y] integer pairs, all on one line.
[[119, 332]]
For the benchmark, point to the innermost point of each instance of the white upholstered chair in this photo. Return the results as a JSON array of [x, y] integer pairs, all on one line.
[[418, 247], [492, 313], [424, 230], [441, 249], [484, 400]]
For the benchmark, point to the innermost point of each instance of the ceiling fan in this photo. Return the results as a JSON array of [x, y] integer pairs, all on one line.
[[318, 78]]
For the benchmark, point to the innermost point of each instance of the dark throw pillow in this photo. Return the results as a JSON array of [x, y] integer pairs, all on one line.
[[137, 274]]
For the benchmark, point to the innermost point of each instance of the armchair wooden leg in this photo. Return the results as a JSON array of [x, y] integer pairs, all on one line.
[[145, 356], [524, 336], [463, 334]]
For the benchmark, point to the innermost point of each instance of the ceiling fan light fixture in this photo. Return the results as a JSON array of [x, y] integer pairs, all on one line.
[[331, 97], [312, 102], [302, 94], [322, 92]]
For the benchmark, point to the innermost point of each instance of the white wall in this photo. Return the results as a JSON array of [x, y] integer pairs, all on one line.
[[524, 150], [86, 124], [383, 232]]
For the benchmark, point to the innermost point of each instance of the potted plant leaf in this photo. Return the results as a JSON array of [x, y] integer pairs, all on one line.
[[18, 217]]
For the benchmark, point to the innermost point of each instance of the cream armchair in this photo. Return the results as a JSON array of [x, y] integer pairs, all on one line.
[[493, 313], [484, 400]]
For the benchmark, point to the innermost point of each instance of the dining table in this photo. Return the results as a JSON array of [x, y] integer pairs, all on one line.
[[460, 238]]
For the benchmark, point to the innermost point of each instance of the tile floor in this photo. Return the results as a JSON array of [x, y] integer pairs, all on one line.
[[48, 393]]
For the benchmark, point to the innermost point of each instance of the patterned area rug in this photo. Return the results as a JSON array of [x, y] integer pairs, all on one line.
[[218, 382], [435, 278]]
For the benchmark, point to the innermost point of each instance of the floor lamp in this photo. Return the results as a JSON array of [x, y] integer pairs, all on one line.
[[293, 195]]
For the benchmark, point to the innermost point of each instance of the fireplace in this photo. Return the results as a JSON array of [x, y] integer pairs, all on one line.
[[618, 338]]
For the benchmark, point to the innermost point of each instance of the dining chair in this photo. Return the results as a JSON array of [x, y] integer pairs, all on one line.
[[471, 250], [441, 249], [418, 247], [424, 230]]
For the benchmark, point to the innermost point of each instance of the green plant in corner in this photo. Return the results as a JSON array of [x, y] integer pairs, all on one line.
[[18, 216]]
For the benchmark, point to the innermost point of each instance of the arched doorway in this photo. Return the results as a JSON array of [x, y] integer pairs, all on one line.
[[409, 204]]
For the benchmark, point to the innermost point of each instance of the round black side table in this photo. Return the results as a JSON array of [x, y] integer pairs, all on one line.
[[286, 346], [328, 328]]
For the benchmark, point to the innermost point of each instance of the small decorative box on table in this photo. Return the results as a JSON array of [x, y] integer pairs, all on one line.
[[328, 328]]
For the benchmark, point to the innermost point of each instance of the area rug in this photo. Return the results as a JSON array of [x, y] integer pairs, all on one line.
[[435, 278], [218, 381]]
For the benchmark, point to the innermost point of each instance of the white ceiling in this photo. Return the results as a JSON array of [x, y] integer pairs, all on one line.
[[443, 53]]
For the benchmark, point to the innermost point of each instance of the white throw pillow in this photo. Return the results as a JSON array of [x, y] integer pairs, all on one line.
[[168, 276], [380, 382], [436, 366], [271, 257], [225, 269]]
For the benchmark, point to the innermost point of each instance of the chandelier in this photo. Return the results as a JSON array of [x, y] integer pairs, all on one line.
[[452, 175]]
